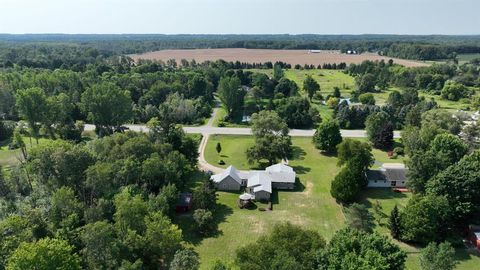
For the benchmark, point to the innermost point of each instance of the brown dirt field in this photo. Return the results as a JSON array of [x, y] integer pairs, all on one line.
[[292, 57]]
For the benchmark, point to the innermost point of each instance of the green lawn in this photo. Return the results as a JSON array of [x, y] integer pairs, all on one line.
[[326, 78], [463, 58], [310, 206]]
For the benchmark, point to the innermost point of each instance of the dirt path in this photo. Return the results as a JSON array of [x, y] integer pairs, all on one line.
[[212, 117]]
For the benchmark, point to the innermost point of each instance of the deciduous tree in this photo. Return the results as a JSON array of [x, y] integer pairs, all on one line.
[[310, 86], [272, 141], [231, 94], [327, 136], [438, 257], [33, 256]]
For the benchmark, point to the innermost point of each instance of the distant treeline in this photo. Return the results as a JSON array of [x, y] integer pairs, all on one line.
[[55, 50]]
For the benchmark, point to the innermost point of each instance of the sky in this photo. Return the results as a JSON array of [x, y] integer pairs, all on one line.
[[452, 17]]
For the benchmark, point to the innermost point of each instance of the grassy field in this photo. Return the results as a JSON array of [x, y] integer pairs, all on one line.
[[331, 78], [12, 157], [463, 58], [327, 79], [310, 205]]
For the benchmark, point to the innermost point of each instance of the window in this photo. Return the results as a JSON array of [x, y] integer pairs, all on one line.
[[393, 183]]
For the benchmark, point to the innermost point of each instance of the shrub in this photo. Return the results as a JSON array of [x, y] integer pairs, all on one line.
[[399, 151], [6, 130], [367, 99]]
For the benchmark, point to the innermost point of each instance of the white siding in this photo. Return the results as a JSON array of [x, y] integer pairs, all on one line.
[[384, 184]]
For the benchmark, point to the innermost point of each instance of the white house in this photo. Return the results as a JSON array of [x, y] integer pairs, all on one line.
[[257, 183], [389, 175]]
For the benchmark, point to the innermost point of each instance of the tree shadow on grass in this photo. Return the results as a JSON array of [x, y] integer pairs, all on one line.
[[301, 169], [328, 154], [466, 253], [379, 194], [5, 142], [187, 224], [298, 153]]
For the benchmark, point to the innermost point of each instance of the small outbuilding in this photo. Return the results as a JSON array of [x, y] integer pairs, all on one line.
[[184, 203], [474, 235]]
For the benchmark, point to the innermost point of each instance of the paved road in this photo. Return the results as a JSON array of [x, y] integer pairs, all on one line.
[[209, 130]]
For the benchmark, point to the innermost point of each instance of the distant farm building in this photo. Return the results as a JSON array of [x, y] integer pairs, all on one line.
[[259, 184], [314, 51], [389, 175]]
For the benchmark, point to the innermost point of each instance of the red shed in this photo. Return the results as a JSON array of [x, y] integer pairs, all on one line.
[[184, 202], [474, 235]]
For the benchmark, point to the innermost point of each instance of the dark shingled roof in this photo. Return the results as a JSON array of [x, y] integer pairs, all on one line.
[[376, 175], [185, 199], [396, 174], [389, 174]]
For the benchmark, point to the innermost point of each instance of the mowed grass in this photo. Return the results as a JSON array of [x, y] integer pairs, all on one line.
[[327, 79], [310, 205]]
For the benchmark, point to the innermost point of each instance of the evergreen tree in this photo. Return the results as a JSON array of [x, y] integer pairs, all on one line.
[[218, 148], [394, 223]]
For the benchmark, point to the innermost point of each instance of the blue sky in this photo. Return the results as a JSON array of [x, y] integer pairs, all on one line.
[[241, 16]]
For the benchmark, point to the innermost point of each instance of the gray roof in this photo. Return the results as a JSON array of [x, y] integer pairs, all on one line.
[[396, 174], [389, 172], [376, 175], [230, 171], [280, 167], [260, 181]]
